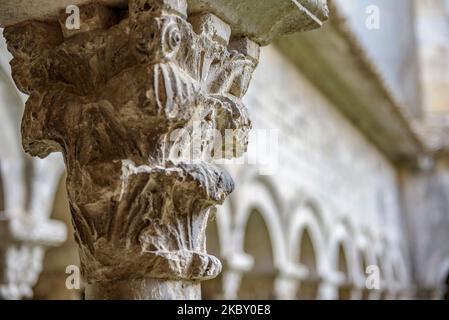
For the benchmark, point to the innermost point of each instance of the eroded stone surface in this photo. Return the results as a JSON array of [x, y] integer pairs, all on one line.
[[262, 21], [111, 98]]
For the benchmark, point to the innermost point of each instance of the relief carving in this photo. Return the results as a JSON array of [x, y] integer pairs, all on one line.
[[111, 97]]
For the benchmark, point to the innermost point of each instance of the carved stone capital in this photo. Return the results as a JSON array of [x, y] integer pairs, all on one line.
[[112, 96], [23, 239]]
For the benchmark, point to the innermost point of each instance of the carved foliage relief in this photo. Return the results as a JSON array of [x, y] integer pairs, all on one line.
[[110, 97]]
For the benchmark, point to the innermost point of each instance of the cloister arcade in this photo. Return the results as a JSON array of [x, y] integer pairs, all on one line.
[[263, 245]]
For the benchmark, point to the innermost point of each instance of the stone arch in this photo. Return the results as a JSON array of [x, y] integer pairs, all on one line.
[[255, 206], [356, 241], [250, 175], [306, 248], [342, 260], [393, 270], [257, 196], [344, 289], [260, 282], [308, 286], [366, 257]]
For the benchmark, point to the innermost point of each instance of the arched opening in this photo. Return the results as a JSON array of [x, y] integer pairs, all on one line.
[[344, 290], [259, 282], [212, 289], [308, 288]]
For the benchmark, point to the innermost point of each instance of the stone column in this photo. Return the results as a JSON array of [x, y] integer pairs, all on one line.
[[23, 240], [330, 282], [25, 233], [121, 98], [134, 100], [28, 186]]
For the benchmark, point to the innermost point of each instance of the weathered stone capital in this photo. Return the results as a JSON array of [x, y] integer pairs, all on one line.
[[23, 239], [111, 97]]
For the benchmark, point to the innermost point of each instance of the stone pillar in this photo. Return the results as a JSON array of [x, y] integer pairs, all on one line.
[[330, 282], [24, 238], [28, 185], [135, 100], [327, 291], [123, 98]]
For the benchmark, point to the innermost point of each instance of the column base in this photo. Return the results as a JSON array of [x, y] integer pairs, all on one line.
[[144, 289]]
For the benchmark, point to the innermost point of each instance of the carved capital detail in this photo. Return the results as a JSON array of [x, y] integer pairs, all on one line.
[[110, 96]]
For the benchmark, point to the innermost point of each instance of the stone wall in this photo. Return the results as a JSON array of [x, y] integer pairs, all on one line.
[[426, 198], [433, 34], [379, 23], [330, 181], [317, 206]]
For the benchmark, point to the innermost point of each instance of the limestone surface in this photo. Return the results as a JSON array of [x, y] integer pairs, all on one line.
[[111, 97]]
